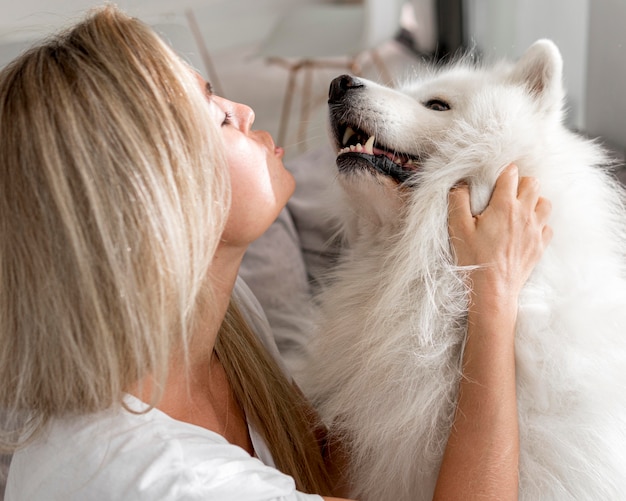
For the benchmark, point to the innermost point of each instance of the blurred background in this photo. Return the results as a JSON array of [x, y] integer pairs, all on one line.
[[279, 56]]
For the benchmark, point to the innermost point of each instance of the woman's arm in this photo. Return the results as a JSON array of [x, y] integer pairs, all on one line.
[[506, 240]]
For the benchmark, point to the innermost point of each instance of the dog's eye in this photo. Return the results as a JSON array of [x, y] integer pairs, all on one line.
[[437, 105]]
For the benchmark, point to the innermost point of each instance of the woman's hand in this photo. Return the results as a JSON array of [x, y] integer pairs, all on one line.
[[506, 240]]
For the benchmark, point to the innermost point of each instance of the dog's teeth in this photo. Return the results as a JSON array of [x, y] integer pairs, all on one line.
[[359, 147], [368, 147], [347, 135]]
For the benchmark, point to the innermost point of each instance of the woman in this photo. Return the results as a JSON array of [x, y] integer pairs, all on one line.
[[129, 196]]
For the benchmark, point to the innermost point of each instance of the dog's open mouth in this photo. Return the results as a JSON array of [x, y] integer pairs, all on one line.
[[361, 150]]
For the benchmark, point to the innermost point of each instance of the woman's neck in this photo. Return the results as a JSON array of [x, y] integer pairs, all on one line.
[[186, 367], [196, 390]]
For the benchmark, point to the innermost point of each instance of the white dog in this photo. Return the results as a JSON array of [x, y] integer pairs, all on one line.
[[385, 364]]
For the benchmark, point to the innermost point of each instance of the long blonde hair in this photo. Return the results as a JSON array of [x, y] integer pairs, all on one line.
[[272, 403], [113, 196]]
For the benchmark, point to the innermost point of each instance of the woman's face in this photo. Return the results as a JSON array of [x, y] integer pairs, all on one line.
[[260, 183]]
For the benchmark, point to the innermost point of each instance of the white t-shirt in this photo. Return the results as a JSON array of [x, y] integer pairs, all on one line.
[[119, 455]]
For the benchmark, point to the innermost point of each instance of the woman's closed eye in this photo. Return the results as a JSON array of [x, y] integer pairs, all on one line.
[[227, 118]]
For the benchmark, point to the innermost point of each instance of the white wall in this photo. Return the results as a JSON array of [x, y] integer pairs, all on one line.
[[225, 23], [505, 28], [606, 87], [16, 15], [22, 19]]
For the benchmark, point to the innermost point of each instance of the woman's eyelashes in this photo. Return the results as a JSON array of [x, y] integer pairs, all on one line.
[[227, 118]]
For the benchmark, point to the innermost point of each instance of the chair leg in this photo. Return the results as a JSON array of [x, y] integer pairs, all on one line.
[[354, 66], [284, 116], [204, 53], [382, 67], [306, 105]]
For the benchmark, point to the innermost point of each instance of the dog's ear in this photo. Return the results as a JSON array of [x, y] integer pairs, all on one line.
[[540, 70]]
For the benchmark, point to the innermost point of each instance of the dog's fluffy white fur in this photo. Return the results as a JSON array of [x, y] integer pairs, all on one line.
[[385, 362]]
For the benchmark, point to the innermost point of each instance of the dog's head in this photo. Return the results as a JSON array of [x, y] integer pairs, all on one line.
[[459, 123]]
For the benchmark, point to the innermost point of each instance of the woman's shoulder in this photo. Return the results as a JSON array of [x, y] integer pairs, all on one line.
[[104, 450], [124, 455]]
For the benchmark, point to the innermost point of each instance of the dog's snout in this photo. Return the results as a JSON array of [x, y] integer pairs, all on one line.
[[340, 86]]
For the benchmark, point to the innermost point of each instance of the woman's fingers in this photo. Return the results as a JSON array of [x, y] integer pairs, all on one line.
[[459, 213], [507, 186], [543, 209], [537, 206], [528, 191]]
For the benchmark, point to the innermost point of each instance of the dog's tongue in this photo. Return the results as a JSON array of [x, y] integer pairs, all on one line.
[[402, 161], [388, 154]]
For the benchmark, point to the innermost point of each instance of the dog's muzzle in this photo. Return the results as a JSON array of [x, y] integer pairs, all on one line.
[[357, 148]]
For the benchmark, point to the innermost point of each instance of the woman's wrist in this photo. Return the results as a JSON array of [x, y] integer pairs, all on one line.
[[492, 296]]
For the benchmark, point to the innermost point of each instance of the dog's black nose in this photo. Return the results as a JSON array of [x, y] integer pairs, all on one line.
[[340, 86]]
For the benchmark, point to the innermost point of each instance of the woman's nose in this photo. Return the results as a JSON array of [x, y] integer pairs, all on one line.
[[245, 116]]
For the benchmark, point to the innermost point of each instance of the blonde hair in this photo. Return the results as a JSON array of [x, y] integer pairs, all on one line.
[[113, 196], [272, 403]]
